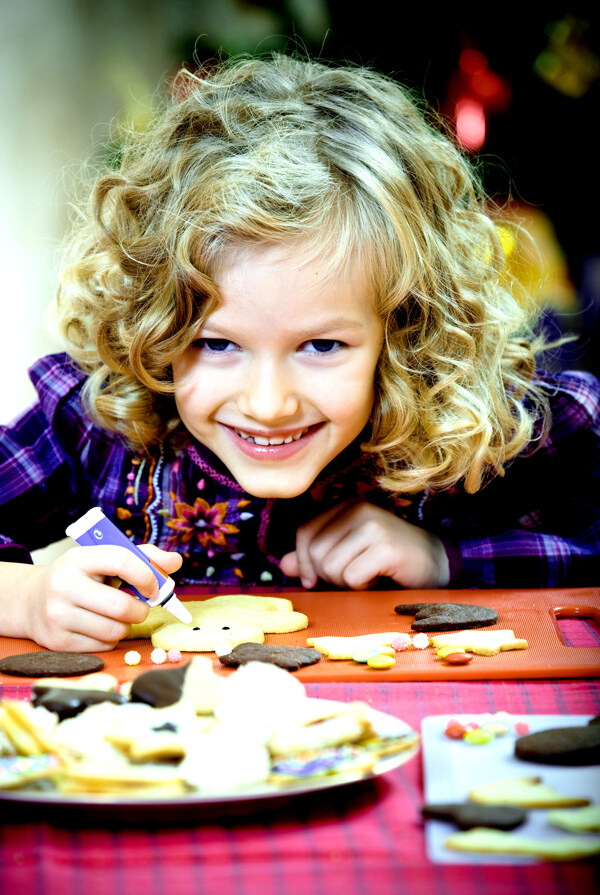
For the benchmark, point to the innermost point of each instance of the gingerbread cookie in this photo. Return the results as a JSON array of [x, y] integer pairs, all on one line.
[[45, 663], [467, 815], [561, 746], [447, 616], [290, 657]]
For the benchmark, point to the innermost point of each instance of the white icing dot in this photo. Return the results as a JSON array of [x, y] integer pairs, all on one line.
[[222, 647]]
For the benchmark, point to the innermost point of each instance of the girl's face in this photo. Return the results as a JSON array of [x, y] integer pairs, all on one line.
[[280, 378]]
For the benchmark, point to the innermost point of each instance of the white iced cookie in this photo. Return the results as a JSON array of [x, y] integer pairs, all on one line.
[[201, 686], [84, 735], [259, 696], [220, 761]]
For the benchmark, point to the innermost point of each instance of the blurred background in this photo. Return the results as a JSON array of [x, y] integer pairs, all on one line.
[[519, 90]]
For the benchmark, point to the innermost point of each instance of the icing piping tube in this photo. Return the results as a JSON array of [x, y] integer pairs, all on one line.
[[95, 528]]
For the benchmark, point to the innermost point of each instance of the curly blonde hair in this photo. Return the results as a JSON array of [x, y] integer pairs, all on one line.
[[341, 163]]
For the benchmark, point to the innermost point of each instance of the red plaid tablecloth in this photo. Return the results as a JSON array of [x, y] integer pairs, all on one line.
[[363, 839]]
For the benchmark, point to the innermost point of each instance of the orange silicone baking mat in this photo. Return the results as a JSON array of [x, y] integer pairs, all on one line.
[[531, 614]]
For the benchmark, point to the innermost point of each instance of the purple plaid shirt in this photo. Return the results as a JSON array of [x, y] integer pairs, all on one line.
[[538, 526]]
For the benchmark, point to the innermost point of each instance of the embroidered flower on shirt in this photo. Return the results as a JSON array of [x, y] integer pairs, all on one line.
[[201, 522]]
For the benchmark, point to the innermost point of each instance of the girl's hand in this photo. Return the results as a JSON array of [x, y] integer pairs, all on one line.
[[354, 543], [68, 605]]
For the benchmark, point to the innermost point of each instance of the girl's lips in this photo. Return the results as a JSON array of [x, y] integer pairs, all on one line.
[[249, 444]]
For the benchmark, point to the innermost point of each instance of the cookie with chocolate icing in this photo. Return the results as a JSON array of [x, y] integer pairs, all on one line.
[[290, 657], [447, 616], [67, 702], [160, 687]]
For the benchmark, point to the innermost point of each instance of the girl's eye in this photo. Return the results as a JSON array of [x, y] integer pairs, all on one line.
[[322, 346], [216, 345]]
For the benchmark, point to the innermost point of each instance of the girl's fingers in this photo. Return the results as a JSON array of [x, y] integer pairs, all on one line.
[[109, 561], [315, 538], [335, 565], [167, 560]]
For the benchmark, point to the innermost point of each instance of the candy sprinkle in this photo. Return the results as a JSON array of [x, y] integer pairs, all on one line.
[[132, 657], [458, 658], [401, 642], [381, 662], [420, 641], [455, 730], [158, 656], [174, 656], [478, 737]]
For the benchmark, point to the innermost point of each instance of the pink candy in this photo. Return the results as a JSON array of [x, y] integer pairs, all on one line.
[[521, 728], [401, 642], [174, 656]]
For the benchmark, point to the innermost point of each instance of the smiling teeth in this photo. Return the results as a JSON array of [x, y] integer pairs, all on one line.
[[259, 439]]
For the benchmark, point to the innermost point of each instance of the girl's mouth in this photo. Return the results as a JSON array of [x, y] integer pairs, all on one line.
[[272, 447], [273, 439]]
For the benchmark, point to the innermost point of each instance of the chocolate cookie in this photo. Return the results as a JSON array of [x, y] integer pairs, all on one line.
[[447, 616], [467, 815], [290, 657], [50, 664], [561, 745]]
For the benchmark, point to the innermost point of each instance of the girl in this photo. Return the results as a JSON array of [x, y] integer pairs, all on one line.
[[291, 354]]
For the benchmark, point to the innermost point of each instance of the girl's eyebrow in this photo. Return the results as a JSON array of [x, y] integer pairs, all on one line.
[[319, 326]]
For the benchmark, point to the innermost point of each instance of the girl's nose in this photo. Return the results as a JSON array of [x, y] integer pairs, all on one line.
[[268, 394]]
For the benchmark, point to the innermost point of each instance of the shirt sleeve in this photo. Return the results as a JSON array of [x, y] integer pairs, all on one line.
[[539, 526], [39, 477]]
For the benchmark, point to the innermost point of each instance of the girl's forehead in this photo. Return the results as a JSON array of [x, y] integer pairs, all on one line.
[[239, 264], [287, 290]]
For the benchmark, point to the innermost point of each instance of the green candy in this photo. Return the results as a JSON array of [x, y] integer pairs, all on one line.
[[363, 655]]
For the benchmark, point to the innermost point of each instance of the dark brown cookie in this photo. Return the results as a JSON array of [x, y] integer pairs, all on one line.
[[447, 616], [467, 815], [49, 664], [290, 657], [561, 745]]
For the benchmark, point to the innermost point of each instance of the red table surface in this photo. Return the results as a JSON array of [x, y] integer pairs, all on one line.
[[357, 840]]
